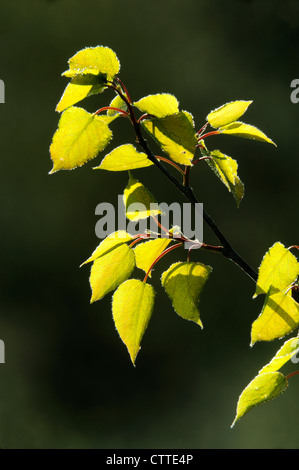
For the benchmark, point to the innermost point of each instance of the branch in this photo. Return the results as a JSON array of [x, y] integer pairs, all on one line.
[[187, 191]]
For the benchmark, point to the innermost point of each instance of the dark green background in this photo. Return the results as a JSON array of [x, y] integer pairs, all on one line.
[[68, 381]]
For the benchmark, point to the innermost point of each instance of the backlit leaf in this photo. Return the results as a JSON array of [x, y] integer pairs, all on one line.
[[175, 134], [262, 388], [227, 113], [146, 253], [98, 60], [110, 242], [283, 355], [159, 105], [227, 171], [80, 137], [124, 157], [132, 307], [139, 202], [79, 88], [183, 282], [239, 129], [119, 103], [278, 268], [279, 317], [110, 270]]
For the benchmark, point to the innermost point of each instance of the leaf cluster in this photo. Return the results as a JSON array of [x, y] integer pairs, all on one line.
[[81, 136]]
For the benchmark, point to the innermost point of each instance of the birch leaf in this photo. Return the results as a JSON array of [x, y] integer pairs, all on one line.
[[132, 307]]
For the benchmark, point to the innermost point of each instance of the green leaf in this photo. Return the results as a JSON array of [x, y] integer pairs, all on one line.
[[279, 317], [239, 129], [227, 171], [175, 134], [79, 88], [283, 355], [94, 61], [262, 388], [279, 268], [132, 307], [110, 270], [80, 137], [124, 157], [159, 105], [119, 103], [183, 282], [113, 240], [139, 202], [227, 113], [146, 253]]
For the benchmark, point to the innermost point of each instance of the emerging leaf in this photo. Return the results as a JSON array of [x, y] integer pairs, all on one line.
[[124, 157], [132, 307], [227, 171], [146, 253], [227, 113], [175, 134], [94, 61], [262, 388], [279, 317], [79, 88], [112, 241], [279, 268], [283, 355], [110, 270], [239, 129], [159, 105], [183, 282], [138, 201], [80, 137]]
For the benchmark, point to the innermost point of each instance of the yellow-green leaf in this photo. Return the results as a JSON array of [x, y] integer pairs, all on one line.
[[79, 88], [119, 103], [159, 105], [110, 270], [132, 307], [175, 134], [98, 60], [283, 355], [80, 137], [139, 202], [279, 268], [239, 129], [124, 157], [226, 168], [113, 240], [146, 253], [279, 317], [262, 388], [227, 113], [183, 282]]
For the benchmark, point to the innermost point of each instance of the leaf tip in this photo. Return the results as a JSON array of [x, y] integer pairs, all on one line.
[[53, 170]]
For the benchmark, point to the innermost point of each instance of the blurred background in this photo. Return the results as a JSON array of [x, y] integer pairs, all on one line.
[[68, 381]]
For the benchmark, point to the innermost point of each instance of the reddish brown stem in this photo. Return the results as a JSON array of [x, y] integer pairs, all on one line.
[[161, 226], [292, 374], [202, 129], [163, 159], [210, 133], [124, 89], [201, 159], [138, 238], [107, 108], [161, 256]]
